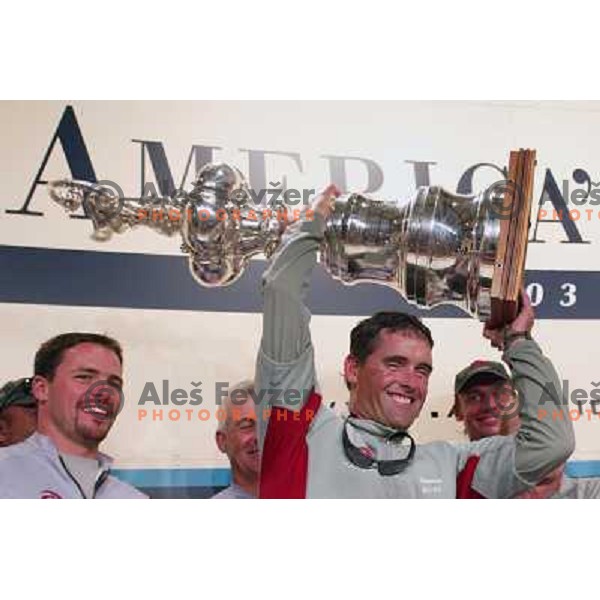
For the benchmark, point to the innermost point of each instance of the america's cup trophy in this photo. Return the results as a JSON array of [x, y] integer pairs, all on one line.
[[436, 248]]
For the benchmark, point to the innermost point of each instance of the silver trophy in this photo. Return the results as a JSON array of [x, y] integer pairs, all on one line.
[[437, 248]]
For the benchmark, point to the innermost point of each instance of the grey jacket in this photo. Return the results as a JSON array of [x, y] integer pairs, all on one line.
[[304, 457], [34, 469]]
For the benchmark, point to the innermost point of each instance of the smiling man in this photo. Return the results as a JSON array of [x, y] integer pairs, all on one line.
[[77, 386], [309, 451], [236, 437], [486, 400]]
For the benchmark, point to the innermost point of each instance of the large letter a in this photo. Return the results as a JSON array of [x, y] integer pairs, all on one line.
[[76, 153]]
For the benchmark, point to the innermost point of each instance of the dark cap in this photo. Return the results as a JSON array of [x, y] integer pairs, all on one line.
[[16, 393], [479, 367]]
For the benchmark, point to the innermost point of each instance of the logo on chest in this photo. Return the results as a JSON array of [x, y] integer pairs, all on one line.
[[430, 487], [50, 495]]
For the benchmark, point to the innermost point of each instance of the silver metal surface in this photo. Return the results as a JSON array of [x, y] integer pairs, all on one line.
[[436, 248]]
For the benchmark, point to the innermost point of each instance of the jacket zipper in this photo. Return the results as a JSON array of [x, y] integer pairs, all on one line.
[[100, 479], [62, 462]]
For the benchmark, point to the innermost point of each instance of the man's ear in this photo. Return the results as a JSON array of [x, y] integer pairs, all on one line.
[[221, 438], [351, 370], [457, 408], [39, 389]]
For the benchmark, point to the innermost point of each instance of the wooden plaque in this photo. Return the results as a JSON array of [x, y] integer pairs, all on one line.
[[512, 241]]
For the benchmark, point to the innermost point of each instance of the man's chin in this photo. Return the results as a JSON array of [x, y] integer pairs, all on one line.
[[401, 421], [251, 468], [485, 432], [403, 418], [95, 434], [254, 465]]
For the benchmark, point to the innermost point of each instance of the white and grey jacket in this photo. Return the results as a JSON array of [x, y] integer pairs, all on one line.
[[302, 449], [35, 469]]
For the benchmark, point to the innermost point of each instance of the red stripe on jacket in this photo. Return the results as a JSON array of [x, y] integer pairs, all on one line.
[[464, 481], [284, 463]]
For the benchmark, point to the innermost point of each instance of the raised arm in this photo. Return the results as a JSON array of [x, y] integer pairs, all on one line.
[[285, 372]]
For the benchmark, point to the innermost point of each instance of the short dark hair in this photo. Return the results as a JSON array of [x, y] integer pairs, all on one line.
[[363, 338], [50, 353]]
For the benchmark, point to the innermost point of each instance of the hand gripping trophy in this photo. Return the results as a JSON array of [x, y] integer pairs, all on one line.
[[439, 247]]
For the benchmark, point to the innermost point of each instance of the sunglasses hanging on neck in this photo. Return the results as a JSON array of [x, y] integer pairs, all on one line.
[[386, 468]]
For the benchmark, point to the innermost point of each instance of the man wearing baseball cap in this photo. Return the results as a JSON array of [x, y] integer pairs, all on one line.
[[485, 400], [18, 412], [487, 403]]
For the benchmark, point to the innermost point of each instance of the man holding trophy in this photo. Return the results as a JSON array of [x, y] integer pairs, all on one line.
[[436, 248], [309, 451]]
